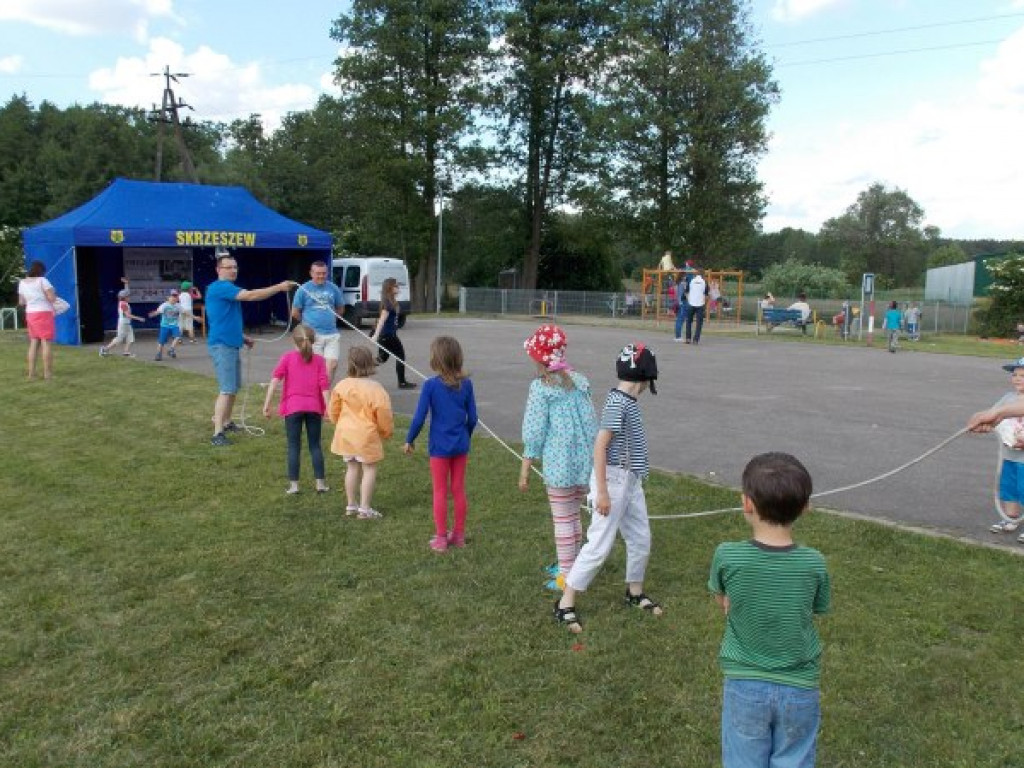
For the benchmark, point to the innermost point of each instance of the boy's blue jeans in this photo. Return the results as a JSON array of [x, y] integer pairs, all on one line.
[[769, 725]]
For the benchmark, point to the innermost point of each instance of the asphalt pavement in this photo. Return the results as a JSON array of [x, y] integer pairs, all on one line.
[[849, 412]]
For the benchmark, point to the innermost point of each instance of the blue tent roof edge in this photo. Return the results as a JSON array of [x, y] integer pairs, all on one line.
[[131, 213]]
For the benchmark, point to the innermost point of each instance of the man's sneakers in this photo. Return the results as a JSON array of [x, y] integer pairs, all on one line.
[[232, 427], [407, 385], [220, 439]]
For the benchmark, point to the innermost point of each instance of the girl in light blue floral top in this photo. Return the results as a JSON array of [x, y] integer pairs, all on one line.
[[559, 427]]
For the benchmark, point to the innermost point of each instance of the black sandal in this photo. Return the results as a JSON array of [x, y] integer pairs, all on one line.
[[642, 602], [568, 617]]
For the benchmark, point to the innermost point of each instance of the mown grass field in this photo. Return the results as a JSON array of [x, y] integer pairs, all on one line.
[[163, 603]]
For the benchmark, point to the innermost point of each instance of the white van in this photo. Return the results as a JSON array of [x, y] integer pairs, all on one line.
[[360, 279]]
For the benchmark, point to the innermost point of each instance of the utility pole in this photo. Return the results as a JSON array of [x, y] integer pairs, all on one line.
[[168, 115]]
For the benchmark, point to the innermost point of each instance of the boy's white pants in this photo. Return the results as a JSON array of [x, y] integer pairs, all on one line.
[[628, 516]]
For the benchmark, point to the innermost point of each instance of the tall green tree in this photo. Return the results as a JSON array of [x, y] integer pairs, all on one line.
[[880, 233], [683, 116], [411, 72], [553, 50]]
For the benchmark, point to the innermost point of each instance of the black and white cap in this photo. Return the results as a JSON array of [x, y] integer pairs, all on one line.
[[637, 363]]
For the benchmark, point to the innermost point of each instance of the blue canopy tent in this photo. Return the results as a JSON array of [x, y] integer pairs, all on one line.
[[158, 234]]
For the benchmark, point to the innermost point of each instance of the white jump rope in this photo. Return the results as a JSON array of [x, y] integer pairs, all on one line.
[[324, 305]]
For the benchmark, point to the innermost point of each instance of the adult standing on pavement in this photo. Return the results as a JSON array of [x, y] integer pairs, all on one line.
[[226, 337], [696, 297], [386, 332], [315, 305]]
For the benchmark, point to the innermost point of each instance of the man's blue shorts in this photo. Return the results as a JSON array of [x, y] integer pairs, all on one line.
[[167, 333], [1011, 482], [227, 365]]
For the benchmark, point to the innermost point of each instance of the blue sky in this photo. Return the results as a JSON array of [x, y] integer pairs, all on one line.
[[924, 95]]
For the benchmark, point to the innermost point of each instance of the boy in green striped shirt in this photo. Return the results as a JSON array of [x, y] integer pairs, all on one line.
[[770, 589]]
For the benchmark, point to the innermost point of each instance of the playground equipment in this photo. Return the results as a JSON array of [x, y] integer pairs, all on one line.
[[659, 299]]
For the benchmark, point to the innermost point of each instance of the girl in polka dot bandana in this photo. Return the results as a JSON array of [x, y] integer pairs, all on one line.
[[559, 427]]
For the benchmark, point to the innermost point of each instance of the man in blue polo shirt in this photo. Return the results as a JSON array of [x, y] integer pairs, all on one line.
[[315, 305], [226, 337]]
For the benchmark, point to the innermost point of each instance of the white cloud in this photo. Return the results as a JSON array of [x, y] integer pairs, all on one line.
[[216, 88], [958, 159], [98, 17], [795, 10], [11, 64]]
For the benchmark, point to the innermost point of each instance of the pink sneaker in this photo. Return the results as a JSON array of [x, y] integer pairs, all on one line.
[[456, 539], [438, 543]]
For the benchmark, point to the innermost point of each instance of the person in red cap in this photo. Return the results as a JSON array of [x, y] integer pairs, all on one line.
[[559, 427]]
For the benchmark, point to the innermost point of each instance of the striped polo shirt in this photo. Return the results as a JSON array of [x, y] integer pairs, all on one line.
[[628, 448], [774, 593]]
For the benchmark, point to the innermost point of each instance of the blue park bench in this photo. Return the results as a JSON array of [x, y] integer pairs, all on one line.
[[773, 317]]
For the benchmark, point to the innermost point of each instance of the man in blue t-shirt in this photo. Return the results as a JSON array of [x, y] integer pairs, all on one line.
[[315, 305], [226, 337]]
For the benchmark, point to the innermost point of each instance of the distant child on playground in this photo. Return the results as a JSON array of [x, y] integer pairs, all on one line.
[[770, 588], [304, 393], [891, 323], [360, 410], [448, 399], [170, 313], [616, 489], [559, 427], [125, 332], [1006, 419]]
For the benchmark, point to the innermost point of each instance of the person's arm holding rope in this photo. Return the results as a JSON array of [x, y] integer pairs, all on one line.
[[258, 294], [986, 421]]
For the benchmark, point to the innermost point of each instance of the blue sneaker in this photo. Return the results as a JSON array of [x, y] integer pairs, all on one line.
[[219, 440], [232, 427]]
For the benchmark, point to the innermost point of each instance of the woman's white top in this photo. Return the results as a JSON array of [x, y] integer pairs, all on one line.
[[33, 291]]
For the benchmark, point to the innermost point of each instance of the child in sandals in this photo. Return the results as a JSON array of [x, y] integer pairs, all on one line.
[[449, 401], [360, 409], [616, 489], [559, 427]]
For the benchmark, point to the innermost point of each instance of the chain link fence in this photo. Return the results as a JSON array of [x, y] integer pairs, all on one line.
[[936, 316]]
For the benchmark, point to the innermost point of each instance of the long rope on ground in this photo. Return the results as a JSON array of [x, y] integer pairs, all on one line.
[[683, 516], [841, 489]]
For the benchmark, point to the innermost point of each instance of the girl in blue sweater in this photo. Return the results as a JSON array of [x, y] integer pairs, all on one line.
[[448, 397]]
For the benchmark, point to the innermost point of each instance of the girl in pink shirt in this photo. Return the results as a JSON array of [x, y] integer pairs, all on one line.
[[304, 393]]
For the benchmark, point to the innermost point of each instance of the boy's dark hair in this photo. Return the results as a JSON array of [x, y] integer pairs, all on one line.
[[778, 485]]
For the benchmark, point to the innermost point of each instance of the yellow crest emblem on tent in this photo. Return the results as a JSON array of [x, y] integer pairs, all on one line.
[[117, 236], [303, 240]]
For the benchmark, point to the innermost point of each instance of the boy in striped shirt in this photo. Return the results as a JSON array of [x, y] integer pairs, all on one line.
[[616, 489], [770, 588]]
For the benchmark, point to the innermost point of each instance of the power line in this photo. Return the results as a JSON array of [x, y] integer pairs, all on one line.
[[886, 53], [894, 30]]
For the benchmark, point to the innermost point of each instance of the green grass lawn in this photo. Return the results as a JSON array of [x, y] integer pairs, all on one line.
[[163, 603]]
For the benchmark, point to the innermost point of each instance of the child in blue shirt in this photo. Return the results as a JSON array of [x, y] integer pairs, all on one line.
[[448, 398], [170, 326], [891, 323]]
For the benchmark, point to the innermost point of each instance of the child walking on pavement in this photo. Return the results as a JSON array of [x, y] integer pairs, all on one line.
[[304, 392], [125, 332], [559, 427], [616, 489], [170, 331], [448, 399], [360, 410]]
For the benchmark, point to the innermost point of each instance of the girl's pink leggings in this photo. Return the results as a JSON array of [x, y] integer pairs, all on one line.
[[442, 470]]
